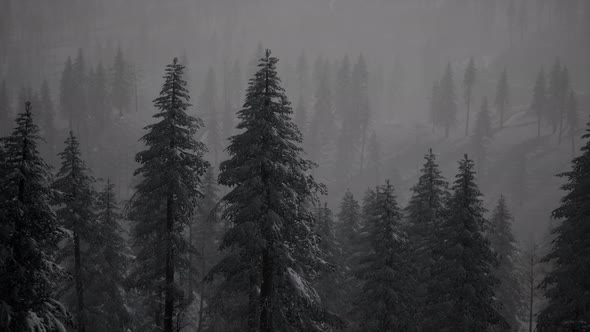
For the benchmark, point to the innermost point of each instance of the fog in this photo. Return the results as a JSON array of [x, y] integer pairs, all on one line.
[[415, 96]]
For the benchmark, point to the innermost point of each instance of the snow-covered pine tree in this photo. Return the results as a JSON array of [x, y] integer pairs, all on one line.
[[208, 106], [468, 82], [502, 96], [567, 285], [107, 304], [170, 175], [5, 111], [29, 233], [276, 252], [508, 292], [383, 269], [76, 199], [462, 285], [447, 100], [424, 215]]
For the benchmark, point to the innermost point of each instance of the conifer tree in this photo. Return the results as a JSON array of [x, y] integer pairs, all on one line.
[[384, 271], [108, 309], [275, 250], [330, 281], [208, 105], [554, 93], [539, 102], [98, 98], [349, 130], [301, 115], [571, 108], [170, 171], [564, 99], [322, 124], [435, 106], [120, 83], [66, 98], [374, 158], [360, 102], [468, 83], [343, 94], [47, 118], [424, 215], [76, 200], [481, 135], [5, 111], [508, 292], [462, 286], [29, 233], [79, 91], [302, 69], [502, 96], [447, 104], [566, 285]]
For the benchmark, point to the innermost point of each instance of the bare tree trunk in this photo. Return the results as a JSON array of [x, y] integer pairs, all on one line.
[[202, 295], [531, 290], [169, 292], [79, 284]]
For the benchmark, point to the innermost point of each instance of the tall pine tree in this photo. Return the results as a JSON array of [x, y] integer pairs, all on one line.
[[447, 104], [502, 96], [468, 83], [539, 102]]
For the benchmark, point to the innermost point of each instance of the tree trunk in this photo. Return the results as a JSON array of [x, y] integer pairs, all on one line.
[[79, 284], [266, 290], [253, 303], [560, 129], [468, 111], [363, 143], [202, 295], [531, 291], [169, 292]]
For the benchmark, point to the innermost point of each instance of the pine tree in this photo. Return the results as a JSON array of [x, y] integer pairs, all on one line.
[[108, 309], [566, 285], [571, 109], [502, 96], [539, 102], [565, 89], [508, 292], [468, 83], [481, 136], [170, 171], [374, 158], [76, 201], [29, 233], [302, 69], [79, 93], [98, 97], [301, 115], [275, 250], [554, 93], [446, 98], [66, 99], [5, 111], [462, 286], [384, 270], [343, 94], [47, 119], [120, 83], [208, 105], [360, 102], [435, 106], [330, 282], [349, 131], [424, 215], [322, 124]]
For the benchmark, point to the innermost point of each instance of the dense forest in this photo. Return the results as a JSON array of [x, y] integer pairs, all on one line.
[[391, 165]]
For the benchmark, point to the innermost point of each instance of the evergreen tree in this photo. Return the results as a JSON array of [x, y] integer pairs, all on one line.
[[302, 69], [374, 158], [384, 270], [360, 102], [120, 83], [502, 96], [98, 98], [571, 108], [5, 111], [554, 93], [564, 99], [567, 285], [435, 106], [170, 171], [322, 124], [481, 135], [47, 118], [468, 83], [66, 99], [29, 233], [539, 102], [76, 201], [108, 309], [330, 281], [462, 286], [79, 91], [208, 105], [447, 105], [518, 179], [343, 95], [233, 86], [301, 115], [276, 251], [424, 215], [508, 292]]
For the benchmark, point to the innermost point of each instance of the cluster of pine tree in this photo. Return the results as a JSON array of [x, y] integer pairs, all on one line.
[[268, 256]]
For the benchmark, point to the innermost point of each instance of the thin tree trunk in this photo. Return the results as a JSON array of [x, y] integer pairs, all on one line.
[[560, 128], [363, 143], [202, 295], [79, 284], [468, 111], [531, 291], [169, 292]]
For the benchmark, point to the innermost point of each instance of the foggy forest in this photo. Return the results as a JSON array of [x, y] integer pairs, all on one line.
[[294, 165]]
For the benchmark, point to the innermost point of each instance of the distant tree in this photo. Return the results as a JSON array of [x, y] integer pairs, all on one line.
[[555, 93], [302, 69], [29, 235], [275, 252], [301, 115], [120, 83], [508, 292], [47, 119], [79, 93], [539, 102], [170, 174], [571, 109], [564, 96], [435, 106], [98, 97], [468, 82], [447, 105], [502, 96], [522, 18], [208, 106], [5, 110], [322, 124], [518, 179], [349, 130], [343, 94], [76, 200], [531, 273], [330, 281], [481, 136], [233, 86], [66, 98], [396, 84], [462, 286], [424, 214], [108, 308], [360, 102], [374, 158], [384, 270], [566, 285]]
